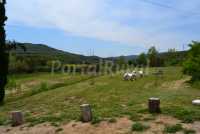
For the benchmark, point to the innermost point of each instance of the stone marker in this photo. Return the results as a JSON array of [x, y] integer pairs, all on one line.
[[154, 105], [86, 113], [196, 102], [17, 118]]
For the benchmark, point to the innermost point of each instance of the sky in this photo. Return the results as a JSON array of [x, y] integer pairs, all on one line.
[[105, 27]]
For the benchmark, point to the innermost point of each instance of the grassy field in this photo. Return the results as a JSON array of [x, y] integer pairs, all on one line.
[[57, 98]]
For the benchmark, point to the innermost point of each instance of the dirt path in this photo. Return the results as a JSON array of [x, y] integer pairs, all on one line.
[[175, 85]]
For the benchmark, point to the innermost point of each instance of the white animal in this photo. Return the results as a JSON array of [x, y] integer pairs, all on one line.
[[141, 73], [130, 76], [196, 102]]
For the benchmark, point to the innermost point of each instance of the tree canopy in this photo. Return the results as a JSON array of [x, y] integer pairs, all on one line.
[[192, 63]]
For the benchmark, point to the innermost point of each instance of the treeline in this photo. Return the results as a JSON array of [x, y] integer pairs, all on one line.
[[154, 58], [38, 58], [43, 63]]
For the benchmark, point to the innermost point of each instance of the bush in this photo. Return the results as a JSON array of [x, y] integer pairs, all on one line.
[[173, 128], [192, 63], [112, 120], [96, 120], [139, 127]]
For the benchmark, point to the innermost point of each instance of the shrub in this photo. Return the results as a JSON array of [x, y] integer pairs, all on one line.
[[112, 120], [173, 128], [192, 63], [96, 120], [189, 131], [139, 127]]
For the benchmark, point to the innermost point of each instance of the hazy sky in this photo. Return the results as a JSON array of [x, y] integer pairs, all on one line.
[[105, 27]]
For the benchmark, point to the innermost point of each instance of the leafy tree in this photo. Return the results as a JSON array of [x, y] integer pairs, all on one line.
[[130, 62], [3, 53], [142, 59], [192, 63], [172, 57], [121, 60], [153, 56]]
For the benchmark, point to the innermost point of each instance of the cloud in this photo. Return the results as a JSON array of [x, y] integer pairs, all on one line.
[[127, 22]]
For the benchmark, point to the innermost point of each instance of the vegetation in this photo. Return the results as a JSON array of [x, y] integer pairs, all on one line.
[[39, 58], [173, 128], [153, 56], [189, 131], [139, 127], [156, 59], [142, 59], [192, 63], [109, 97]]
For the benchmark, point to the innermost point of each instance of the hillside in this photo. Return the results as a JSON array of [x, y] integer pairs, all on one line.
[[44, 50], [52, 53]]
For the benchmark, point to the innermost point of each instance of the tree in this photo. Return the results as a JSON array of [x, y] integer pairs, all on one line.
[[121, 60], [3, 53], [153, 56], [192, 64], [142, 59], [171, 58]]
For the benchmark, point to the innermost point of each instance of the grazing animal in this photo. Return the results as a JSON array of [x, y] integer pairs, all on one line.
[[130, 76], [141, 73]]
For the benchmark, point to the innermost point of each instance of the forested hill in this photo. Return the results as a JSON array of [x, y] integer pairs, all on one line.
[[44, 51]]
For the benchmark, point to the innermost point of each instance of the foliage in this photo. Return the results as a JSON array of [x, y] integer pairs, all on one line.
[[110, 97], [173, 128], [152, 56], [139, 127], [192, 64], [121, 60], [96, 119], [189, 131], [112, 120], [142, 59]]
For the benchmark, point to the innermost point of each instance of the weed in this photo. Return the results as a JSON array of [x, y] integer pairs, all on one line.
[[96, 120], [189, 131], [173, 128], [112, 120], [135, 117], [139, 127]]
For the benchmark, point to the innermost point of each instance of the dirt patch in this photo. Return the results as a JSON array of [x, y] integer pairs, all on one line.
[[39, 129], [175, 85], [121, 126], [166, 120]]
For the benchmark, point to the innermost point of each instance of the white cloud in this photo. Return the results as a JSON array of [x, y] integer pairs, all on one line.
[[136, 23]]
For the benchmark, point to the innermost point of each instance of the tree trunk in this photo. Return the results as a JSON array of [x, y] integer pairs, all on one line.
[[3, 53]]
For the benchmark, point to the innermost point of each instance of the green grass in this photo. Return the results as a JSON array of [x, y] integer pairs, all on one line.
[[139, 127], [189, 131], [58, 98], [173, 128]]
